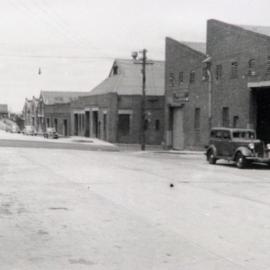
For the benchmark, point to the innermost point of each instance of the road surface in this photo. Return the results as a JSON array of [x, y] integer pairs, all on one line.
[[70, 209]]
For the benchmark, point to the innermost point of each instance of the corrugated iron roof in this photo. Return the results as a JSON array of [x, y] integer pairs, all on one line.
[[264, 30], [59, 97], [197, 46], [128, 80]]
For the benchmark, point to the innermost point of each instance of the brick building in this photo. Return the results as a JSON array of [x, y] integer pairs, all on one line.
[[54, 110], [30, 111], [112, 110], [227, 85], [185, 84]]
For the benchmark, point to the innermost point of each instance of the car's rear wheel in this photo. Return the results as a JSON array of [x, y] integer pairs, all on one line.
[[240, 160], [211, 157]]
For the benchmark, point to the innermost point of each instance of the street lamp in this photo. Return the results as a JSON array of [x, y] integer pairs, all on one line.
[[208, 62], [143, 62]]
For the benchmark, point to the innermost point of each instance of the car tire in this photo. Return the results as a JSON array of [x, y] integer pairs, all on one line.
[[211, 157], [240, 161]]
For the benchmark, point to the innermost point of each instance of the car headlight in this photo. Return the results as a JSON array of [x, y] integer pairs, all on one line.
[[251, 146], [268, 146]]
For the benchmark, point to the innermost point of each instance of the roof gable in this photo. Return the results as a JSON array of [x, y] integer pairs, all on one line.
[[128, 80]]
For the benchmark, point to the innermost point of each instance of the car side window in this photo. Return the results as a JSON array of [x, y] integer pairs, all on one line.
[[219, 134], [226, 135]]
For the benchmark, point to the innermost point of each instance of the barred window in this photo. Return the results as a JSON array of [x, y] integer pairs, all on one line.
[[192, 77], [225, 117], [234, 70], [171, 79], [251, 67], [197, 118], [204, 74], [218, 72], [181, 77]]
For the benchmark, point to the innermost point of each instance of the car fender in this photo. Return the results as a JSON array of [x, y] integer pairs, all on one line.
[[211, 148], [243, 150]]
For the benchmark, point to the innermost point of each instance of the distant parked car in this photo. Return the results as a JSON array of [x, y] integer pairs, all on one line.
[[238, 145], [51, 133], [29, 130], [15, 129]]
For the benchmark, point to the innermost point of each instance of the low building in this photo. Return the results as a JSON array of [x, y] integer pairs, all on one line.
[[54, 110], [3, 111], [112, 111]]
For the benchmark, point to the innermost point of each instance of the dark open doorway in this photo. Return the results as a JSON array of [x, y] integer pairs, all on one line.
[[87, 124], [95, 124], [65, 127], [262, 97]]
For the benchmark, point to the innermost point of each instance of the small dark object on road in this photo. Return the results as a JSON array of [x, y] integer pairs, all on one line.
[[171, 185]]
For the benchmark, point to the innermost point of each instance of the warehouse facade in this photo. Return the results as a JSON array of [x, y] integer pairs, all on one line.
[[112, 110], [227, 85]]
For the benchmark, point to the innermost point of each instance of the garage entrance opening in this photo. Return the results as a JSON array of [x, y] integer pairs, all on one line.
[[176, 125], [262, 97]]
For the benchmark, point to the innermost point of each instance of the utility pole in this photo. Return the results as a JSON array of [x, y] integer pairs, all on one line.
[[143, 61], [143, 100]]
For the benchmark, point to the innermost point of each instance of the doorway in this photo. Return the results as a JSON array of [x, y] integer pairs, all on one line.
[[95, 124], [87, 124], [262, 97], [177, 128], [65, 127]]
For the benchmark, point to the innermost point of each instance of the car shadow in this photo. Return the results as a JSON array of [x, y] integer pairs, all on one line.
[[252, 166]]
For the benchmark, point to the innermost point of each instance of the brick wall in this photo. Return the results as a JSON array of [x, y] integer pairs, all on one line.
[[189, 96], [226, 44]]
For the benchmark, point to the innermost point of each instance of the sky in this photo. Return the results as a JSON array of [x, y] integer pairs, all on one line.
[[74, 42]]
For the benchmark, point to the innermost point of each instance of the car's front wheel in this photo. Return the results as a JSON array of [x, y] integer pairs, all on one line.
[[241, 161], [211, 157]]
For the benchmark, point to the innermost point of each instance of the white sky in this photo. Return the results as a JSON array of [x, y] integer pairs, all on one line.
[[75, 41]]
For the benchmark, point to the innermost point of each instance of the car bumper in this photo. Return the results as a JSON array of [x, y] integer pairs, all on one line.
[[259, 159]]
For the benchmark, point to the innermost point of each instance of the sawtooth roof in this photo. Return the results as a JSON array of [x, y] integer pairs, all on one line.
[[128, 80], [264, 30], [59, 97], [197, 46]]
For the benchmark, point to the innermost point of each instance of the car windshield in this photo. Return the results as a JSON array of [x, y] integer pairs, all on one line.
[[244, 135]]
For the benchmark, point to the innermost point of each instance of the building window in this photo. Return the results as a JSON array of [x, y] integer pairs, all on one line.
[[225, 117], [123, 124], [197, 118], [157, 125], [48, 122], [181, 77], [115, 70], [251, 67], [171, 79], [192, 77], [204, 74], [218, 72], [235, 121], [234, 70], [268, 65]]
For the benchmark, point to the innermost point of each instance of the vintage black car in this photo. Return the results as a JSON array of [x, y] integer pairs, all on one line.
[[238, 145]]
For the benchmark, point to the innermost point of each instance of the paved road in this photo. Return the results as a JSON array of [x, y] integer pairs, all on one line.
[[68, 209]]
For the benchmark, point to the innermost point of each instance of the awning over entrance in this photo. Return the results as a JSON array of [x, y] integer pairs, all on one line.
[[259, 84]]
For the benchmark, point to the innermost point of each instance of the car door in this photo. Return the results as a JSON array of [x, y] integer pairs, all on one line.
[[226, 146]]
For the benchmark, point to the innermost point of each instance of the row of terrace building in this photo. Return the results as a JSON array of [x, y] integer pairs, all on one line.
[[111, 111], [224, 81]]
